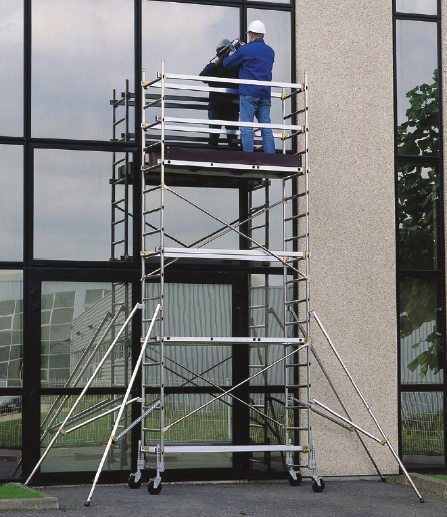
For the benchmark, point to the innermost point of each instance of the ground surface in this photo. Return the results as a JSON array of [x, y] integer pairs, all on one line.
[[353, 498]]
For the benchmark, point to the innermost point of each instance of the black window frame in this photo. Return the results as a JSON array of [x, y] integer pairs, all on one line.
[[440, 273]]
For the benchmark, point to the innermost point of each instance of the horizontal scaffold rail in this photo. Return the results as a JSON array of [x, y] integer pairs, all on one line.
[[237, 123], [194, 88], [257, 255], [275, 84]]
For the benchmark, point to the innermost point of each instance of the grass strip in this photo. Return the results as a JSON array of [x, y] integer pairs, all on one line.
[[16, 491], [438, 476]]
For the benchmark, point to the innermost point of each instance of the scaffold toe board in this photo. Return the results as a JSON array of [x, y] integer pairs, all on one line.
[[178, 449], [233, 340], [227, 162]]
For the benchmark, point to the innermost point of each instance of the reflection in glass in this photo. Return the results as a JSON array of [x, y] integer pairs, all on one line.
[[198, 30], [421, 342], [200, 310], [11, 202], [74, 320], [417, 87], [266, 320], [187, 226], [81, 449], [212, 424], [11, 328], [422, 415], [419, 216], [417, 6], [81, 51], [201, 27], [11, 68], [268, 431], [11, 435], [72, 205]]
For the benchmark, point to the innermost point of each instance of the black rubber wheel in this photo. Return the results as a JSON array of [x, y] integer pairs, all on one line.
[[152, 490], [318, 488], [297, 481], [132, 483]]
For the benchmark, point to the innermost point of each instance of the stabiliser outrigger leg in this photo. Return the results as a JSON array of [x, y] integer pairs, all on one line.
[[385, 440]]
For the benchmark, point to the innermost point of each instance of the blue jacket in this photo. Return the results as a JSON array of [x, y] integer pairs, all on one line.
[[255, 61]]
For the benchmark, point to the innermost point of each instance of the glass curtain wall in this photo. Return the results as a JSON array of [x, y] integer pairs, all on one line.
[[68, 174], [420, 229]]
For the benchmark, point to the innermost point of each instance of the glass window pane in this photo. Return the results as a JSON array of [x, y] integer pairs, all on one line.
[[72, 205], [11, 203], [417, 88], [190, 225], [278, 36], [423, 431], [421, 342], [200, 310], [11, 328], [201, 27], [81, 51], [419, 213], [211, 424], [11, 433], [72, 330], [82, 448], [11, 68], [417, 6]]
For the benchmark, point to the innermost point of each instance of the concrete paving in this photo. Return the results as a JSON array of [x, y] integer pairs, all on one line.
[[344, 498]]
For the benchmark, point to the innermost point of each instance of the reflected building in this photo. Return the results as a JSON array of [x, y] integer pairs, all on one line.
[[69, 258]]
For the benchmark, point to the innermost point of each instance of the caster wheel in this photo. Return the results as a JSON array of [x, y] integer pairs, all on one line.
[[297, 481], [152, 490], [132, 483], [318, 488]]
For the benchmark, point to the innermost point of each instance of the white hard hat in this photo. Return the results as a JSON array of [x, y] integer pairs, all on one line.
[[257, 27]]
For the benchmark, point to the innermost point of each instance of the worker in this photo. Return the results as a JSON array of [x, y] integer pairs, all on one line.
[[222, 106], [254, 61]]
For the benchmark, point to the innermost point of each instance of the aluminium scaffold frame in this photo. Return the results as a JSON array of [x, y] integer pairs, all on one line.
[[296, 343]]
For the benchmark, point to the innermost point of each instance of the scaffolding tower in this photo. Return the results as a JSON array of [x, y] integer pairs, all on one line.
[[165, 157], [171, 159]]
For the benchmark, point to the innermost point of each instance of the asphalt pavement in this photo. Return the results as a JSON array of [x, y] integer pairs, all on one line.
[[347, 498]]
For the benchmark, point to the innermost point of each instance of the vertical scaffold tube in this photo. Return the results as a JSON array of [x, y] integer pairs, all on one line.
[[160, 464]]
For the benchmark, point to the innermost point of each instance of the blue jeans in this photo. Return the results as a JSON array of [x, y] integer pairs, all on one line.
[[249, 107]]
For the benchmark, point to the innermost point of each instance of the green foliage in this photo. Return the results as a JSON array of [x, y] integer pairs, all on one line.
[[419, 209], [419, 135], [418, 218]]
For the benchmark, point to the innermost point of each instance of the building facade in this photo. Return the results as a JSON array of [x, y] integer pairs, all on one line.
[[377, 226]]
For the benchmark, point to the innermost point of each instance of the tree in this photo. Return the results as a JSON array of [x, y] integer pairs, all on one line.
[[418, 217]]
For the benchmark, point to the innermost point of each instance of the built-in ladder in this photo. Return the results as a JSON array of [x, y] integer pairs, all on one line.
[[121, 177]]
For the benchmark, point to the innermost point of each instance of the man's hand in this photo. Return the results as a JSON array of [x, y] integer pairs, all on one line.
[[240, 45]]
